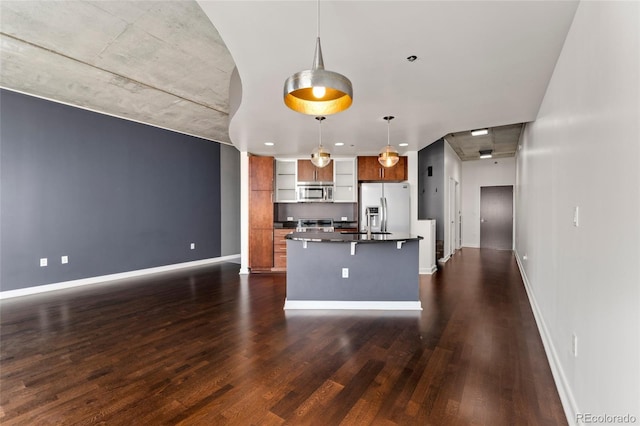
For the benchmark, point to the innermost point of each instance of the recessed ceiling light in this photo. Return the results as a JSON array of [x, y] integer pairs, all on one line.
[[480, 132], [268, 143], [412, 58], [339, 144], [403, 144], [485, 153]]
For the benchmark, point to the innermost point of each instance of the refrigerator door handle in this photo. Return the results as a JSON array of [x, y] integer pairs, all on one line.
[[386, 216], [383, 225]]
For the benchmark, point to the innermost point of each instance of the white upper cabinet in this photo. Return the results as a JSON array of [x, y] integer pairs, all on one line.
[[345, 179], [286, 180]]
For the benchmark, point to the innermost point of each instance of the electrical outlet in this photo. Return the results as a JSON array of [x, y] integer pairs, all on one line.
[[64, 259], [574, 345], [576, 217], [345, 272], [43, 261], [192, 246]]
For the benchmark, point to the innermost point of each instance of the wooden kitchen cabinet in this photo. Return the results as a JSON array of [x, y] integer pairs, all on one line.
[[260, 213], [261, 173], [307, 172], [397, 172], [261, 210], [261, 250], [370, 170], [280, 249]]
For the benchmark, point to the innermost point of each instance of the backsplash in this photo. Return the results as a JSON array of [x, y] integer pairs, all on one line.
[[284, 212]]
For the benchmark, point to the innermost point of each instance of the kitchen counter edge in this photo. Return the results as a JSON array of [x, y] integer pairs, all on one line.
[[337, 237]]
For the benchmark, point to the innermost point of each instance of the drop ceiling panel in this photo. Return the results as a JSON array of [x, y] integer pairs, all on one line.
[[502, 140]]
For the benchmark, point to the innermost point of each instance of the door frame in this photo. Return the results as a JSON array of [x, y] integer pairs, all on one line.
[[453, 217]]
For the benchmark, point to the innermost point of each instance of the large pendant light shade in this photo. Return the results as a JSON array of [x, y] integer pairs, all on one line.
[[388, 156], [320, 157], [318, 91]]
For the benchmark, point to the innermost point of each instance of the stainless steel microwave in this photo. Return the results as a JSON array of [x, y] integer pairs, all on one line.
[[314, 192]]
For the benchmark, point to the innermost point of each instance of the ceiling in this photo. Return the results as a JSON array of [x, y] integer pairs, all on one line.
[[157, 62], [480, 64]]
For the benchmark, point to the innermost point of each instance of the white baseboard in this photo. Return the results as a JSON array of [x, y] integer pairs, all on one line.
[[428, 271], [564, 390], [354, 305], [444, 259], [112, 277]]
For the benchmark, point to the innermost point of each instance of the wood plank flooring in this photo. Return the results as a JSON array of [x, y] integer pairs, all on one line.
[[209, 347]]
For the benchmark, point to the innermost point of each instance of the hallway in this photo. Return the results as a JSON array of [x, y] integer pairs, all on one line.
[[207, 346]]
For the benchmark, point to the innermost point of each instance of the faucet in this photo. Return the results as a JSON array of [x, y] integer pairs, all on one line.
[[368, 227]]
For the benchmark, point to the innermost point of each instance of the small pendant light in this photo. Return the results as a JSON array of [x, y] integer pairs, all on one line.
[[388, 156], [318, 91], [320, 157]]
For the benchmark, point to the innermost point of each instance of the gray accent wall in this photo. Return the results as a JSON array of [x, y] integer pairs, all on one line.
[[111, 194], [230, 196], [431, 188]]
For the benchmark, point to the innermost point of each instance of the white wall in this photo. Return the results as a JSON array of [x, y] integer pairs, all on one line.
[[475, 174], [584, 150], [424, 228], [452, 171]]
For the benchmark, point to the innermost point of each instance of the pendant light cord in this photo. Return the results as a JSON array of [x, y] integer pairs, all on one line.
[[320, 118], [318, 20]]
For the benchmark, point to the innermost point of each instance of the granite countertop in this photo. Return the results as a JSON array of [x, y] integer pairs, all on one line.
[[347, 237]]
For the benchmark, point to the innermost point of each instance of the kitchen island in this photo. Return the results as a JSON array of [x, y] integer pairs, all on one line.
[[333, 270]]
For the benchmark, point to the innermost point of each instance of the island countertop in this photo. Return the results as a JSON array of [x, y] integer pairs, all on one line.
[[351, 237]]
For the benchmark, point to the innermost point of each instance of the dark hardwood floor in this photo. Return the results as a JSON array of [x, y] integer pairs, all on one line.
[[210, 347]]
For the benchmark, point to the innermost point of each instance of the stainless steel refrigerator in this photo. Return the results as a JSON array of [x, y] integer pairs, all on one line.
[[389, 207]]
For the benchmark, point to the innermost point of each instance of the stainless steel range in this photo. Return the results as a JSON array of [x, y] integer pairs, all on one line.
[[315, 225]]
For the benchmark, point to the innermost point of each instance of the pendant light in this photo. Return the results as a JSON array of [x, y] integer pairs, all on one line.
[[320, 157], [388, 156], [318, 91]]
